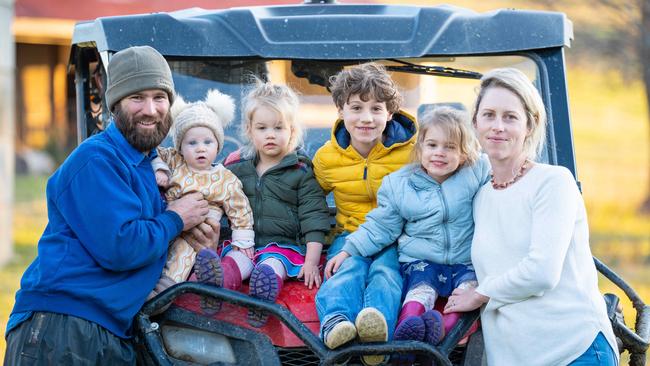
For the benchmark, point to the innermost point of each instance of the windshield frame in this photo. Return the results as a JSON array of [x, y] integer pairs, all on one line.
[[550, 81]]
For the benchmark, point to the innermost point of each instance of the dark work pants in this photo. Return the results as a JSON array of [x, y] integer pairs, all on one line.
[[58, 339]]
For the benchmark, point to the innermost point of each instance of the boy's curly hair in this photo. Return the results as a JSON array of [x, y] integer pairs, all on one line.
[[369, 80]]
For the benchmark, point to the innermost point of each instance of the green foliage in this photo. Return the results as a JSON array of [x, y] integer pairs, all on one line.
[[29, 188], [59, 146], [29, 220]]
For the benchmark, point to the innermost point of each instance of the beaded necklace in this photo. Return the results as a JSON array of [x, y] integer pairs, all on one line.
[[504, 185]]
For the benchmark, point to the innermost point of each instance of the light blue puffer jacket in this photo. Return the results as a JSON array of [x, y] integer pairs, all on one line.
[[429, 220]]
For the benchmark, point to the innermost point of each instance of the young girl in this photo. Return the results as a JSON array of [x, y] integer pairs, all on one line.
[[188, 167], [427, 208], [291, 215]]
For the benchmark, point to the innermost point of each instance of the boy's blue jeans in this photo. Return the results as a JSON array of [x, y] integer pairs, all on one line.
[[359, 283]]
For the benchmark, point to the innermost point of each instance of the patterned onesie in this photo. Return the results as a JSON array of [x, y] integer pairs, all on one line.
[[224, 193]]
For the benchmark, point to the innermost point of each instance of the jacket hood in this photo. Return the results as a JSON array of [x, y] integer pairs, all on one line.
[[295, 157], [400, 129]]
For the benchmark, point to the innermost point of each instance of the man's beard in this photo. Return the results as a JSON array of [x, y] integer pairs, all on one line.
[[141, 139]]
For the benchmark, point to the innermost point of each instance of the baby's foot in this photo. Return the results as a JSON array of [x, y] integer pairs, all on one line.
[[208, 270]]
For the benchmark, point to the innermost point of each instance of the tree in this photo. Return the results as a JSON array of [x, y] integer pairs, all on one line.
[[624, 40], [644, 54]]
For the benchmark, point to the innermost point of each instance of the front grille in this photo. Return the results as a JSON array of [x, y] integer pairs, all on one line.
[[456, 355], [297, 357], [305, 357]]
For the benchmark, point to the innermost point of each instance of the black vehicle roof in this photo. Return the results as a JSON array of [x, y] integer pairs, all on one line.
[[330, 32]]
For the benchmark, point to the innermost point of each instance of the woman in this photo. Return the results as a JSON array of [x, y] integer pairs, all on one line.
[[530, 249]]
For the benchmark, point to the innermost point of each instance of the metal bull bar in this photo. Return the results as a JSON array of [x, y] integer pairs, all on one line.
[[634, 342], [153, 341]]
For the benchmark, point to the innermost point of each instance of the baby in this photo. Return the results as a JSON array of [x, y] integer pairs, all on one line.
[[189, 167]]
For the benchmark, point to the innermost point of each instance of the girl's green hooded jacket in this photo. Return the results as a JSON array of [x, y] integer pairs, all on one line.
[[288, 203]]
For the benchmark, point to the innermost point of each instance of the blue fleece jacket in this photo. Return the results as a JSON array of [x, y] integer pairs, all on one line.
[[106, 240]]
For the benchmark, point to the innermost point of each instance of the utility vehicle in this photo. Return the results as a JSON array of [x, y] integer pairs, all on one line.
[[436, 54]]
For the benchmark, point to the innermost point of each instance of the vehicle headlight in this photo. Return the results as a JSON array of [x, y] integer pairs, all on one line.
[[198, 346]]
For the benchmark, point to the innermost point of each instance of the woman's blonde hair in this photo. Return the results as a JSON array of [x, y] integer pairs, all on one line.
[[455, 125], [516, 82], [279, 98]]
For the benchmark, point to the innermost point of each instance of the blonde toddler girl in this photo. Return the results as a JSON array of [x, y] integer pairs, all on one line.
[[289, 208], [426, 207]]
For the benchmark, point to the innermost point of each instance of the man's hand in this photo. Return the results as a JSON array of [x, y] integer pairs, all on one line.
[[192, 209], [204, 235], [162, 179], [333, 264]]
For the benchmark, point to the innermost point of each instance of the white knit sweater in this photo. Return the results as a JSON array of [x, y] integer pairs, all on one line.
[[532, 258]]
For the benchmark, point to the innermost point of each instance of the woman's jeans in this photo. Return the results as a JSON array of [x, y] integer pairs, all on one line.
[[599, 353], [359, 283]]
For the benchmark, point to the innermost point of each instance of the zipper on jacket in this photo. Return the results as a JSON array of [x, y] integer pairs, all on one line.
[[371, 194], [259, 187], [296, 225], [445, 217], [258, 203]]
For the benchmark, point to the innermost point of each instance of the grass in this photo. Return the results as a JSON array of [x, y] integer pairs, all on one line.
[[611, 143], [29, 220]]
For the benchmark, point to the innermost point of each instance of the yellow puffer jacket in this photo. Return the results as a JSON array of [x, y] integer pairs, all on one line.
[[339, 168]]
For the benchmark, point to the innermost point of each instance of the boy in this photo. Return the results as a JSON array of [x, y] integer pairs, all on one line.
[[371, 139]]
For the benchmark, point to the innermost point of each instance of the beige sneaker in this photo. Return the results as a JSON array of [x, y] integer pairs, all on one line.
[[341, 333], [372, 327]]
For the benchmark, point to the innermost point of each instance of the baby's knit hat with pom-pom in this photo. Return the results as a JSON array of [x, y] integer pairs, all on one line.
[[215, 113]]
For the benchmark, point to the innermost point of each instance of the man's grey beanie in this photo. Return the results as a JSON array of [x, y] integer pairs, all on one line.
[[135, 69]]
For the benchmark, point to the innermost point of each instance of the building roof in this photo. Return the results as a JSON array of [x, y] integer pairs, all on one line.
[[52, 21], [91, 9]]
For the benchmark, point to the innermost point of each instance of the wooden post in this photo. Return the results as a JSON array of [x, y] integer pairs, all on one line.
[[7, 128]]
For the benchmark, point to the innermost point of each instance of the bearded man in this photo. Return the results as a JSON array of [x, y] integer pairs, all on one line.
[[108, 229]]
